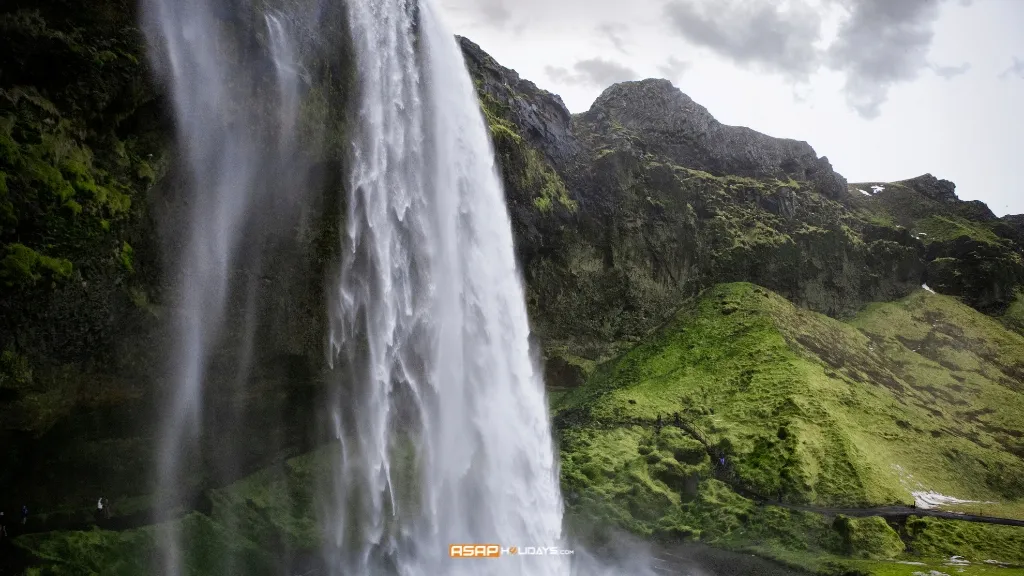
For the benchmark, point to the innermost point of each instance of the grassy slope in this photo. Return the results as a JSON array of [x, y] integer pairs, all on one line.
[[921, 394], [1014, 316]]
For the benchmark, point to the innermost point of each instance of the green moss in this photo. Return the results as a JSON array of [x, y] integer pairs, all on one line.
[[918, 394], [23, 266], [208, 549], [127, 257], [15, 370], [1013, 318], [938, 538], [524, 167], [938, 228], [277, 503], [869, 538], [253, 524]]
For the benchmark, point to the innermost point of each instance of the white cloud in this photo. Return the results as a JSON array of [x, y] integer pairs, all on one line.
[[594, 72]]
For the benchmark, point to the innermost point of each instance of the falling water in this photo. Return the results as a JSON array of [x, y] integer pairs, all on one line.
[[441, 413], [438, 408], [237, 158]]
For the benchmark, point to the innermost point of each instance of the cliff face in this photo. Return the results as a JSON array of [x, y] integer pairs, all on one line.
[[92, 197], [667, 201]]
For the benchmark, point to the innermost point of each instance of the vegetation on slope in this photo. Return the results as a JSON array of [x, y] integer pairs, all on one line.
[[920, 395], [523, 167], [1014, 316], [970, 253]]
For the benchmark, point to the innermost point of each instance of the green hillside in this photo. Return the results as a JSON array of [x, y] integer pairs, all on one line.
[[920, 395]]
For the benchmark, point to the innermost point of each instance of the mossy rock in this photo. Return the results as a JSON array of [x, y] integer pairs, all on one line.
[[939, 538], [870, 538]]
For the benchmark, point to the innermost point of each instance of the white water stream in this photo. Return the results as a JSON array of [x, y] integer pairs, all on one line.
[[444, 422]]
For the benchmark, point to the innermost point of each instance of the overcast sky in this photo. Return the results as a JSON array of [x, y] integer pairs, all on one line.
[[887, 89]]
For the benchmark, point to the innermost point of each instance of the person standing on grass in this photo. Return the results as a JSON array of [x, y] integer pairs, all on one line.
[[24, 514]]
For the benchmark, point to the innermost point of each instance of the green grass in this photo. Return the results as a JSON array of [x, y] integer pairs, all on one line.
[[873, 547], [938, 228], [924, 394], [1013, 318]]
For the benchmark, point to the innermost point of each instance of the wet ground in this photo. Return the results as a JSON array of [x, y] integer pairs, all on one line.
[[625, 555], [695, 560]]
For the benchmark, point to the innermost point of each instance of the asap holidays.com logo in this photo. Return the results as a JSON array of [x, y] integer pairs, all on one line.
[[497, 551]]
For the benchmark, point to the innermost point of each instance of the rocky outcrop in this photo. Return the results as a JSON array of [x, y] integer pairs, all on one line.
[[983, 274], [669, 123], [540, 116], [970, 253], [1012, 228]]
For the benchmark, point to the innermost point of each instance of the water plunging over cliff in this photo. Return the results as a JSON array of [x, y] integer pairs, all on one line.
[[239, 157], [438, 407], [441, 413]]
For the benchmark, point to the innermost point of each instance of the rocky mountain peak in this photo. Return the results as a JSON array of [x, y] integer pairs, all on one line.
[[671, 124], [934, 188]]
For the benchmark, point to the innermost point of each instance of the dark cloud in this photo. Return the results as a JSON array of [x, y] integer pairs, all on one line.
[[1015, 69], [950, 72], [879, 43], [593, 72], [673, 68], [760, 34], [613, 32], [883, 42]]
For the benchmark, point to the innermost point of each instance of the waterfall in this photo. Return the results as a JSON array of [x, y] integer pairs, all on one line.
[[239, 162], [440, 410]]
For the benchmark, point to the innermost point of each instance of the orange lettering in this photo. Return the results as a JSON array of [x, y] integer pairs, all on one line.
[[474, 551]]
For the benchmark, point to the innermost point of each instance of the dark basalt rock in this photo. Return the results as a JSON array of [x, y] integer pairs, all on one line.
[[669, 123], [985, 276], [559, 372], [1011, 228], [931, 187], [541, 116]]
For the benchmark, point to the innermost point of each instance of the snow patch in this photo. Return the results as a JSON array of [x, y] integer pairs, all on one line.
[[876, 189], [930, 573], [864, 192], [929, 500], [925, 286], [923, 497]]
